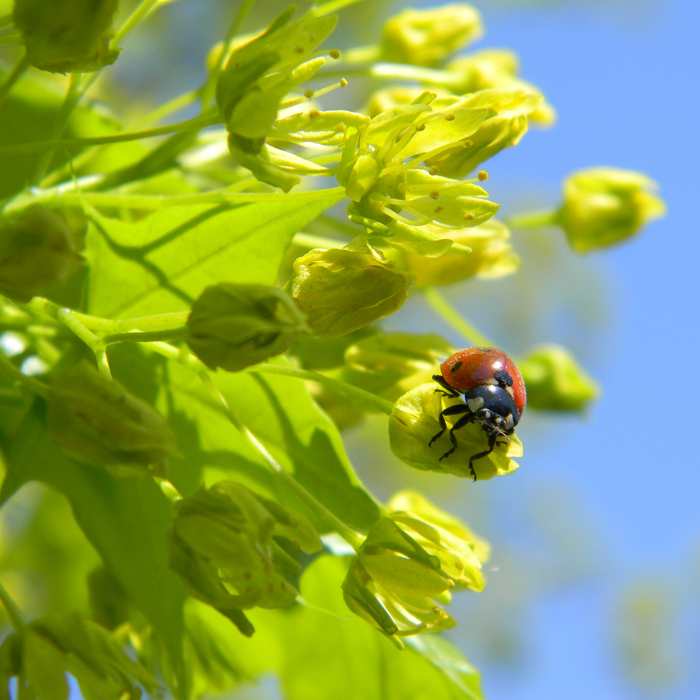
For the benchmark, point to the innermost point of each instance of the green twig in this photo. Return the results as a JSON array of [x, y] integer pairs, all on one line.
[[533, 219], [94, 342], [96, 323], [439, 304], [15, 615], [166, 335], [134, 18], [364, 400], [201, 122], [59, 197]]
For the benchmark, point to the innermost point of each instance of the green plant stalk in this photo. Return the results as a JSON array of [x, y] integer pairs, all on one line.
[[94, 342], [209, 88], [444, 309], [533, 219], [146, 336], [15, 615], [69, 103], [197, 123], [134, 18], [195, 365], [309, 240], [61, 198], [364, 400], [96, 323]]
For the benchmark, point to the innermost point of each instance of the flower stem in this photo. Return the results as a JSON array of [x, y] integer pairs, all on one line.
[[96, 323], [364, 400], [205, 120], [94, 342], [14, 614], [533, 219], [146, 337], [134, 18], [439, 304]]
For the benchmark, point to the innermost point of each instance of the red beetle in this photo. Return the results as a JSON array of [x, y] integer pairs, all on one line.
[[493, 391]]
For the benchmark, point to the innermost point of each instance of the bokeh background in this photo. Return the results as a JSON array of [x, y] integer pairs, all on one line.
[[595, 587]]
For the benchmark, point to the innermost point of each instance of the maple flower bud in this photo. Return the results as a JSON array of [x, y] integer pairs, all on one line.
[[67, 36], [413, 424], [410, 561], [223, 548], [341, 290], [555, 381], [233, 326], [36, 253], [603, 206], [96, 421], [426, 37], [492, 256]]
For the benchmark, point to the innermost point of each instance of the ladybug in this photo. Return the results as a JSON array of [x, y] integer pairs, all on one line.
[[493, 392]]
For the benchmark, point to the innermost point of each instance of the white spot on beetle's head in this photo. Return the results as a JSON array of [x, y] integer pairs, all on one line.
[[475, 404]]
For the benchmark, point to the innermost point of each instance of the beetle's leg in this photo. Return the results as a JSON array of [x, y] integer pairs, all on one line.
[[464, 420], [492, 444], [449, 411]]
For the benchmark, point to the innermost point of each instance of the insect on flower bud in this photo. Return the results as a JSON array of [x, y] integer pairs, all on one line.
[[97, 422], [341, 290], [413, 424], [603, 206], [426, 37], [36, 253], [555, 382], [69, 36], [233, 326]]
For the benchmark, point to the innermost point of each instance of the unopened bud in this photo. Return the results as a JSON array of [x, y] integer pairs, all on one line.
[[603, 206], [233, 326], [36, 253], [96, 421], [555, 381], [222, 547], [341, 290], [67, 36], [426, 37]]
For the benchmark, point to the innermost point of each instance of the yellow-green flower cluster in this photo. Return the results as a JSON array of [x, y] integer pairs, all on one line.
[[410, 562]]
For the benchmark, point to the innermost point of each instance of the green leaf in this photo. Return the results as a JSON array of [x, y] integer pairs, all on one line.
[[280, 413], [163, 262], [125, 520], [327, 652]]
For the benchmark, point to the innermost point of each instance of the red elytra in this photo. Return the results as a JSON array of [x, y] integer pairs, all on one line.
[[474, 367]]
